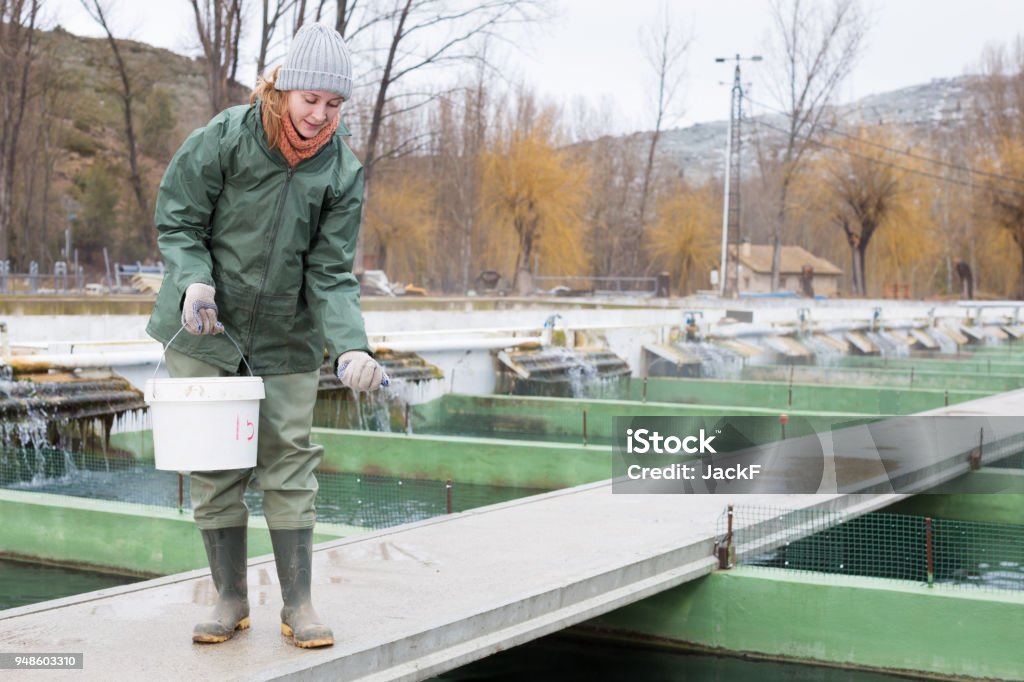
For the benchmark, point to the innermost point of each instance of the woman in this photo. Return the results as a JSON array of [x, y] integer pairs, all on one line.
[[258, 215]]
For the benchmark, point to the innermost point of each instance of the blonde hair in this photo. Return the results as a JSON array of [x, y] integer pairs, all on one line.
[[273, 107]]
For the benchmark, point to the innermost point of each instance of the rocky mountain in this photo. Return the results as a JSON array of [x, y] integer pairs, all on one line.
[[698, 151]]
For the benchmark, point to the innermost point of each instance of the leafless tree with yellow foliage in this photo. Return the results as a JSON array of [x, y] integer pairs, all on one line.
[[533, 195], [417, 38], [870, 189], [1003, 199], [999, 104], [683, 240], [402, 222]]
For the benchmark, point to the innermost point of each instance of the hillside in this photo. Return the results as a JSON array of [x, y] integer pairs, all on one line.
[[72, 150], [698, 151], [74, 177], [88, 106]]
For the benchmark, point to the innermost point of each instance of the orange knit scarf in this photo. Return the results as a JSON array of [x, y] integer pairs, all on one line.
[[295, 148]]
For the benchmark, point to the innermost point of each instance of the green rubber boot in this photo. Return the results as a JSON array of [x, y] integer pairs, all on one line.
[[226, 552], [293, 553]]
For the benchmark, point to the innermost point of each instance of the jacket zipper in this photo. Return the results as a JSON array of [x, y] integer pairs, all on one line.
[[266, 262]]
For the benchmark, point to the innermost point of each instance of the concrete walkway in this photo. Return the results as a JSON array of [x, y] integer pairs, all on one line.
[[411, 602]]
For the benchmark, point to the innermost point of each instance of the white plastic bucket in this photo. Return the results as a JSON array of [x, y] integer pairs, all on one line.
[[205, 423]]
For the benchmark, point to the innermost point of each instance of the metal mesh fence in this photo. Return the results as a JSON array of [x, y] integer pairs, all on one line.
[[935, 552], [583, 285], [1014, 461], [351, 499]]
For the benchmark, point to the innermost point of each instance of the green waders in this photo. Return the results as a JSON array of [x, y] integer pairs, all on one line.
[[285, 465]]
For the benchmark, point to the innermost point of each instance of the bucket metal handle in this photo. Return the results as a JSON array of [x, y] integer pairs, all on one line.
[[230, 338]]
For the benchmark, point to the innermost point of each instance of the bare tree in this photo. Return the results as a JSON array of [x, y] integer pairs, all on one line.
[[425, 34], [615, 166], [459, 135], [351, 17], [866, 189], [18, 21], [219, 30], [999, 130], [38, 155], [414, 39], [344, 7], [664, 47], [270, 17], [342, 15], [99, 13], [817, 46]]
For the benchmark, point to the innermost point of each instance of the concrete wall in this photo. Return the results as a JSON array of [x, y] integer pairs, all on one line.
[[809, 397], [115, 537], [761, 283], [558, 419], [908, 377], [966, 365], [479, 461], [843, 621]]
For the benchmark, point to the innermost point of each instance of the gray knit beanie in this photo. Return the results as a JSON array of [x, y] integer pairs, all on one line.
[[318, 59]]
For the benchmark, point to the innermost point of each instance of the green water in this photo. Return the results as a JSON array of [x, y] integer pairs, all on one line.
[[351, 499], [561, 660], [23, 583]]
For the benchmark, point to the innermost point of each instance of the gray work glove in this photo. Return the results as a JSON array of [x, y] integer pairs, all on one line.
[[360, 372], [199, 312]]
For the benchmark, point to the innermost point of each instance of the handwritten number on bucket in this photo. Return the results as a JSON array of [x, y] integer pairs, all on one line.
[[250, 427]]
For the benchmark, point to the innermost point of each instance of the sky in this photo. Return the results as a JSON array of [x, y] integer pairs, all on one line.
[[592, 48]]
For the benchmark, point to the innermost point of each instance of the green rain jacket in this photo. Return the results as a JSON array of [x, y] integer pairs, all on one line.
[[276, 243]]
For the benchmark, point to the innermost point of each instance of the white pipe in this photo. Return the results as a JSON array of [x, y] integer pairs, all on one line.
[[446, 332], [151, 356], [744, 329], [77, 360], [72, 345], [991, 304], [492, 343]]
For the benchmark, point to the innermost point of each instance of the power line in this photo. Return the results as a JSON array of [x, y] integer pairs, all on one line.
[[920, 157], [890, 164]]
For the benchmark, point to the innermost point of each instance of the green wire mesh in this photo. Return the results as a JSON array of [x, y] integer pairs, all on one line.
[[1014, 461], [937, 552], [351, 499]]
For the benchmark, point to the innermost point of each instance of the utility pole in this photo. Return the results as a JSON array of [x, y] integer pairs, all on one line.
[[731, 201]]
